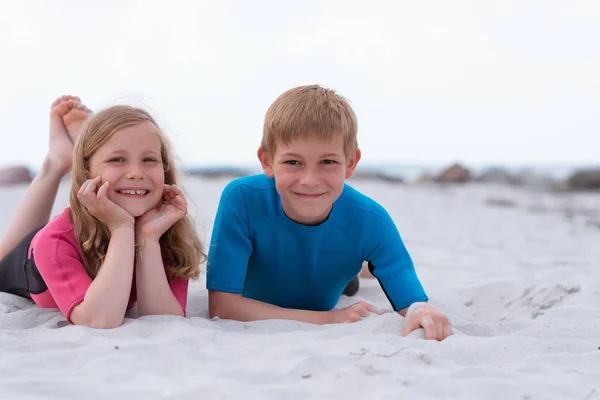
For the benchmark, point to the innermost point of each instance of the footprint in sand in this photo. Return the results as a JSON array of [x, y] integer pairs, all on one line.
[[536, 301]]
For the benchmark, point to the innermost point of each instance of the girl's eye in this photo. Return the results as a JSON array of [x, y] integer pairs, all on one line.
[[150, 160], [117, 160]]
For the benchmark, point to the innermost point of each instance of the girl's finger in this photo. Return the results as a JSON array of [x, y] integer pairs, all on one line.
[[102, 191], [90, 188], [176, 190], [180, 200], [82, 188]]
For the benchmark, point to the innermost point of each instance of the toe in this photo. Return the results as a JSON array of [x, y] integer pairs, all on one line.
[[63, 108]]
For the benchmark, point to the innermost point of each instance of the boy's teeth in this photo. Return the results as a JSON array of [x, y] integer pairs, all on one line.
[[138, 192]]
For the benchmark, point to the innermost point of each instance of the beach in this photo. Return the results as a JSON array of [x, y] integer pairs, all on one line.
[[516, 269]]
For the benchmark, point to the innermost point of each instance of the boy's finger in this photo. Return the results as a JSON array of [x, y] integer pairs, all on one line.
[[410, 325], [373, 309], [429, 326], [440, 331], [447, 331]]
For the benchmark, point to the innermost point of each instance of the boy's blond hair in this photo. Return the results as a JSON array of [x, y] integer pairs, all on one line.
[[309, 110]]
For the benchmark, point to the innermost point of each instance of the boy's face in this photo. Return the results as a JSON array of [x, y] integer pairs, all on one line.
[[309, 176]]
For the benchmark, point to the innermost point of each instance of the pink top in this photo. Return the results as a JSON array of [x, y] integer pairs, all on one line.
[[60, 263]]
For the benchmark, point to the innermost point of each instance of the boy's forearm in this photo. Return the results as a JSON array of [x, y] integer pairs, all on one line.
[[235, 307], [106, 299], [154, 295]]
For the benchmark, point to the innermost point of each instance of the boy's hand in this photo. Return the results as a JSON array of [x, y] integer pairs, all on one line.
[[156, 221], [436, 325], [353, 313]]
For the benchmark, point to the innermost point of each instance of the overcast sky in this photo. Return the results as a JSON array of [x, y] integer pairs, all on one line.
[[431, 81]]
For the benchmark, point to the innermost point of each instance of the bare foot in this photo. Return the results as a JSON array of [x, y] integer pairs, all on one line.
[[75, 118], [60, 153], [364, 272]]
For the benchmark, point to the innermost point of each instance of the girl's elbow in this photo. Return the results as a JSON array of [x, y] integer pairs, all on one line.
[[106, 323], [98, 322]]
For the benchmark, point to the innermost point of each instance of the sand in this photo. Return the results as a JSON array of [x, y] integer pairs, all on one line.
[[516, 270]]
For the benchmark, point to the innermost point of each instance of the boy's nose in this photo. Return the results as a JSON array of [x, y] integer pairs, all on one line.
[[309, 178]]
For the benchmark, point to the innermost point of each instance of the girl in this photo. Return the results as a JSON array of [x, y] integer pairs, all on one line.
[[126, 236]]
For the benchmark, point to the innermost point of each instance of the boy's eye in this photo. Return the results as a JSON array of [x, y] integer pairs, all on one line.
[[292, 162], [329, 162]]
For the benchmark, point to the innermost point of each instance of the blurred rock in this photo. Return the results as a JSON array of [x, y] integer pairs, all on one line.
[[390, 178], [15, 175], [500, 202], [527, 177], [424, 178], [498, 175], [377, 175], [456, 173], [585, 180], [218, 172]]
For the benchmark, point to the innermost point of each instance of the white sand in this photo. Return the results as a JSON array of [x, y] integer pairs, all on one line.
[[520, 284]]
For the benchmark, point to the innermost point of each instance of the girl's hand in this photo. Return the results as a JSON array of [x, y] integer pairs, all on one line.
[[156, 221], [101, 207]]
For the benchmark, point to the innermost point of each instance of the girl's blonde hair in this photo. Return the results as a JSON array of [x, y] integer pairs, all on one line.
[[181, 247]]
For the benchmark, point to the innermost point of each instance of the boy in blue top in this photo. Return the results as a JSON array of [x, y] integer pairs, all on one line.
[[286, 243]]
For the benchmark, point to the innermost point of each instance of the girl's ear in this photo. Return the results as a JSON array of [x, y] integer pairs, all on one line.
[[265, 161]]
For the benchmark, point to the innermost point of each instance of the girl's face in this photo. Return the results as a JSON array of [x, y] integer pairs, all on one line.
[[131, 162]]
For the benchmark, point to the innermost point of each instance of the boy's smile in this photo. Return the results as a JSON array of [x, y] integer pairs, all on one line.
[[309, 175]]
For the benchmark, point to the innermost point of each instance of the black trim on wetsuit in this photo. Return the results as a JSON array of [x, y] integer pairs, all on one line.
[[352, 287], [371, 269], [18, 273]]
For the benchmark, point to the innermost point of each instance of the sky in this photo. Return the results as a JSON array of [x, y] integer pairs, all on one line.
[[431, 82]]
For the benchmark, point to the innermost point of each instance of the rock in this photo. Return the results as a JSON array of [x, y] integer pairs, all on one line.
[[424, 178], [456, 173], [498, 175], [585, 180], [499, 202], [15, 175], [218, 172], [530, 178], [377, 175], [390, 178]]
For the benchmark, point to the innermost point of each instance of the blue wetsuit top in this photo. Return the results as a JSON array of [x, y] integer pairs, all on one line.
[[257, 251]]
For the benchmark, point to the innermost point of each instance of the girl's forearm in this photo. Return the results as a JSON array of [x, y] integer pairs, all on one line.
[[154, 294], [106, 299]]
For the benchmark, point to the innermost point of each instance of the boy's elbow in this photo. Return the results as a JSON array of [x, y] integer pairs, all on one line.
[[219, 304]]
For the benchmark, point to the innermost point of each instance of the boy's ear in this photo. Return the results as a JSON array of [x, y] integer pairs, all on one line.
[[352, 163], [265, 162]]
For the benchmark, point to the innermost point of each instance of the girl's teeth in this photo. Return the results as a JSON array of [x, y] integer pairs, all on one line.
[[138, 192]]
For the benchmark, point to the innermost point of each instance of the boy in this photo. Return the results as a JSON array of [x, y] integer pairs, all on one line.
[[286, 243]]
